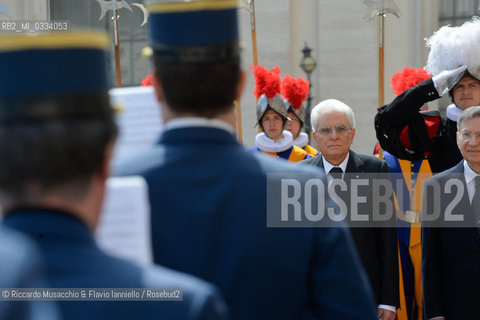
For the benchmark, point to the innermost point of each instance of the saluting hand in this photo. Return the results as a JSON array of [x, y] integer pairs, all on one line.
[[441, 80]]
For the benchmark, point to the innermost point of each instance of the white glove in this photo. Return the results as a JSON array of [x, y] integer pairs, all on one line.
[[441, 80]]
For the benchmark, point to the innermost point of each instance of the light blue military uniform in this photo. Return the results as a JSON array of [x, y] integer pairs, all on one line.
[[73, 66], [73, 260], [21, 267]]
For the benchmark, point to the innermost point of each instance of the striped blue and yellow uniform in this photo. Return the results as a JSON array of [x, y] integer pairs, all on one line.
[[408, 178], [292, 154]]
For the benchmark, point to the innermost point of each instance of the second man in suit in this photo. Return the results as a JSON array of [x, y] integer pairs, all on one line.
[[451, 250]]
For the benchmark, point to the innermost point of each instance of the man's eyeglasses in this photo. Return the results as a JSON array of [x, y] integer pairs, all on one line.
[[467, 136], [327, 131]]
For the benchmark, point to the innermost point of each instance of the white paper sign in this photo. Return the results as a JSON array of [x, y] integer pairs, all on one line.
[[139, 119], [124, 228]]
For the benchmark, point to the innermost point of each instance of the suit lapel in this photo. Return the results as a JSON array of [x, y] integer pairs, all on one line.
[[354, 164], [355, 167], [319, 162]]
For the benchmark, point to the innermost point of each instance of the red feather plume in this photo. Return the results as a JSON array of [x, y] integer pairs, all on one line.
[[147, 81], [295, 90], [408, 78], [267, 82]]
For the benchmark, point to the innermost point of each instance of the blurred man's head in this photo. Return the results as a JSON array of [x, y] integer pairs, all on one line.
[[55, 136], [333, 126], [199, 89], [196, 57]]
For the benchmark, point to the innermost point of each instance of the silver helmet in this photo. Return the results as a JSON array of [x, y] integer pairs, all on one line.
[[276, 104], [300, 113]]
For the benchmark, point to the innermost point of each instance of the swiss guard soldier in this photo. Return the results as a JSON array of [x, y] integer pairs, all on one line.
[[409, 176], [272, 118], [295, 92], [454, 64]]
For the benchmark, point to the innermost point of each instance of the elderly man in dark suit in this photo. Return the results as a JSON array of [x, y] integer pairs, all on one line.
[[209, 195], [56, 141], [450, 245], [333, 123]]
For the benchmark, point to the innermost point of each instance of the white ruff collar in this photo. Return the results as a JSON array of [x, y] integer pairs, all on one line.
[[302, 140], [453, 112], [266, 144]]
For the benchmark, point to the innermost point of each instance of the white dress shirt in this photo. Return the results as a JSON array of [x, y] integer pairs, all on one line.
[[328, 166], [469, 179]]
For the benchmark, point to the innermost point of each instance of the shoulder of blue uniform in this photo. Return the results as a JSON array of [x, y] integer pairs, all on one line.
[[22, 266], [140, 163], [16, 251], [197, 293]]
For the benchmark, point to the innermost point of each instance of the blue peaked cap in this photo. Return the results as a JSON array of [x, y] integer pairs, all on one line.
[[195, 30], [34, 65]]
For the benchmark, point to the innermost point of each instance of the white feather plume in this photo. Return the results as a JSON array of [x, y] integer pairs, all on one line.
[[452, 47]]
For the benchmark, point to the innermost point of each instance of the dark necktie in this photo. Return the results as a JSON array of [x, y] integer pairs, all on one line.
[[336, 173], [476, 201]]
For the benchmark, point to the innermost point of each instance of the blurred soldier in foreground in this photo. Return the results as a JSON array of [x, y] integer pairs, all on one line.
[[57, 132]]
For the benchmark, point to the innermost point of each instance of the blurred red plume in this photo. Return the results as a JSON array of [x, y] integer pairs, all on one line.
[[295, 90], [408, 78], [267, 82], [147, 82]]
